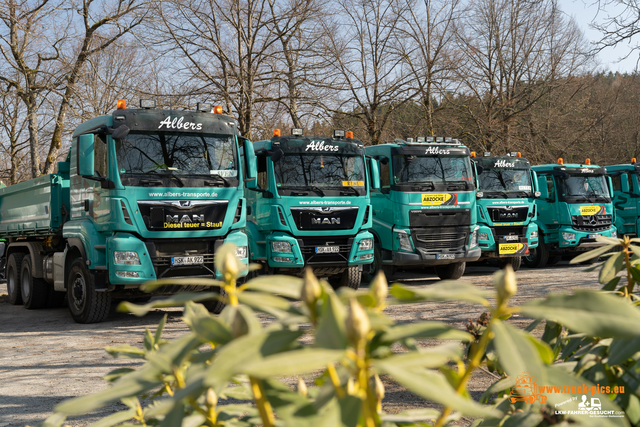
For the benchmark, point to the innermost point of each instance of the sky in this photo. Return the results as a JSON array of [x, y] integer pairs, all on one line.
[[586, 11]]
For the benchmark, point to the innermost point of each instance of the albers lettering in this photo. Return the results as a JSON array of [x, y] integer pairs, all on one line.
[[179, 123], [325, 221], [320, 146], [504, 164], [436, 150]]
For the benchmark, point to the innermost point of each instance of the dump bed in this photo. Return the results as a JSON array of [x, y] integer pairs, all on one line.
[[35, 207]]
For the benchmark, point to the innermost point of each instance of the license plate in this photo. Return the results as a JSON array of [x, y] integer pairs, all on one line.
[[327, 249], [187, 260], [446, 256], [511, 238], [592, 236]]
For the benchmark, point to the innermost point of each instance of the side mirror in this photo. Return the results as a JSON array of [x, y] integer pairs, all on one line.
[[86, 156], [479, 169], [624, 183], [534, 182], [251, 164], [610, 184], [277, 155], [542, 187], [374, 170], [120, 132], [384, 160]]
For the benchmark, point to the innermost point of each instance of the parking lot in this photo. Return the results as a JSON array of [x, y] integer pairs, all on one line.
[[46, 358]]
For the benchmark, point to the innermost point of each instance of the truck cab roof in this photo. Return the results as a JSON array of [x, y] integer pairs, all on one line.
[[571, 167], [311, 144], [453, 147]]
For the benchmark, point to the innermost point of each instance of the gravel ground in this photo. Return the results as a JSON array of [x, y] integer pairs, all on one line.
[[46, 358]]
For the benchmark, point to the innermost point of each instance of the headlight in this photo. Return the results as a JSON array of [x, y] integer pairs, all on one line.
[[126, 258], [405, 241], [282, 259], [569, 236], [479, 194], [281, 246], [241, 252], [474, 238], [534, 235], [365, 245], [614, 234], [127, 274], [483, 236]]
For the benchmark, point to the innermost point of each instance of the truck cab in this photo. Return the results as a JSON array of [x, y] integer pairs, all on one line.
[[625, 181], [143, 194], [424, 213], [575, 206], [310, 206], [506, 191]]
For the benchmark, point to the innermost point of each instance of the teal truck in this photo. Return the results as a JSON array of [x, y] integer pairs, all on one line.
[[424, 213], [625, 181], [143, 194], [310, 206], [506, 192], [573, 209]]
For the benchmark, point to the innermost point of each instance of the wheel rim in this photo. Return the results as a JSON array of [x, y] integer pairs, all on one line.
[[532, 255], [26, 290], [78, 292], [11, 282]]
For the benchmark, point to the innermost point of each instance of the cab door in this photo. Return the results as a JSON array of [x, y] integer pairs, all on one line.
[[625, 202]]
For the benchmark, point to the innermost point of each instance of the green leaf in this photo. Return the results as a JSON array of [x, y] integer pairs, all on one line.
[[497, 387], [412, 415], [591, 254], [516, 352], [611, 267], [611, 285], [296, 362], [331, 332], [621, 349], [523, 419], [240, 392], [257, 300], [434, 386], [635, 250], [279, 284], [635, 273], [210, 329], [193, 281], [424, 330], [176, 300], [443, 291], [117, 373], [159, 329], [433, 357], [591, 312], [544, 350], [126, 351], [148, 340], [608, 240]]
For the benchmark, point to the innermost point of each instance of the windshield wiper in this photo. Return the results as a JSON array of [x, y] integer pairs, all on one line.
[[521, 192], [496, 192], [217, 179], [304, 187], [348, 187], [426, 186], [456, 185], [151, 182]]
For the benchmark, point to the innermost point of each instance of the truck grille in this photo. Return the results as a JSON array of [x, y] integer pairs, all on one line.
[[419, 218], [308, 248], [508, 213], [508, 231], [432, 239], [324, 218], [183, 215], [591, 223], [161, 252]]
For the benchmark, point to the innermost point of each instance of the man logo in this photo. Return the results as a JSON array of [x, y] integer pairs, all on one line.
[[173, 219], [325, 221]]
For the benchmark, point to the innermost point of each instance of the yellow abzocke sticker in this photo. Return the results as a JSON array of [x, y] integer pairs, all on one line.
[[590, 210], [511, 248], [434, 199]]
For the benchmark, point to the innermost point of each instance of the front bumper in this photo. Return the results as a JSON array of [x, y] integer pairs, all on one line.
[[423, 258], [154, 264], [305, 251], [582, 240]]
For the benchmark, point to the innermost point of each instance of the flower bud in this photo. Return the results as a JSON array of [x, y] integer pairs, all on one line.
[[358, 325], [379, 289], [311, 289], [506, 284], [379, 388], [211, 398], [302, 387], [231, 265]]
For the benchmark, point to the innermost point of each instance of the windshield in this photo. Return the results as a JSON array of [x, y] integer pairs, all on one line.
[[320, 173], [580, 188], [417, 169], [177, 160], [505, 180]]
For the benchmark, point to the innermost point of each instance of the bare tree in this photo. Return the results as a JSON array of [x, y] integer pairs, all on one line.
[[12, 130], [621, 27]]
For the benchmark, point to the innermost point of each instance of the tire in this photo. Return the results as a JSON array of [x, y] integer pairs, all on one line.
[[34, 291], [554, 259], [515, 262], [85, 303], [13, 278], [452, 271], [538, 257], [215, 306], [350, 278]]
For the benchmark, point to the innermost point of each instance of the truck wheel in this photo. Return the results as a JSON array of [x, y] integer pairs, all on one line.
[[215, 306], [538, 257], [376, 265], [350, 278], [515, 262], [85, 303], [34, 291], [13, 278], [452, 271]]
